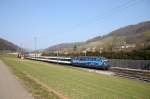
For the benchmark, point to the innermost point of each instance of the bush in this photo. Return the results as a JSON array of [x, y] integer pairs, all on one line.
[[137, 55]]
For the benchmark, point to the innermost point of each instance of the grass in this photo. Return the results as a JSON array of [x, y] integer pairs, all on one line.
[[77, 84], [38, 91]]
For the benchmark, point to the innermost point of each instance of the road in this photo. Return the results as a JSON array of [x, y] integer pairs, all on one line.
[[10, 87]]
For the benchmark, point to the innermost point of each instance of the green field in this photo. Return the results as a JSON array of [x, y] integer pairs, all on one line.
[[78, 84]]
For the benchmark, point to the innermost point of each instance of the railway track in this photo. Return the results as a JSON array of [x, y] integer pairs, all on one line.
[[142, 75], [136, 74]]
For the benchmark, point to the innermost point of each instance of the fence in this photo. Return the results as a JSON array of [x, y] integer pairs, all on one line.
[[134, 64]]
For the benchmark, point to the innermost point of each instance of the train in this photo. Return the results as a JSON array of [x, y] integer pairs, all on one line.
[[80, 61], [90, 62]]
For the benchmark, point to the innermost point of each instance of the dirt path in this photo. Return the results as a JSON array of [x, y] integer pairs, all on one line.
[[10, 87]]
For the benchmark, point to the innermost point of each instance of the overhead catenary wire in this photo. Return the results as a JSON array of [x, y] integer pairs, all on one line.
[[101, 17]]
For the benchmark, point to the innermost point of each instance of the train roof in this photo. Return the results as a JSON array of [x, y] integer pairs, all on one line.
[[55, 57], [90, 57]]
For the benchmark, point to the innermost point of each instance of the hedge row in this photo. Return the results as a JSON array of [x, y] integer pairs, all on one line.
[[137, 55]]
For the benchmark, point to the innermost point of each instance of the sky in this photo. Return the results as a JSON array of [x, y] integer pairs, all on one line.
[[59, 21]]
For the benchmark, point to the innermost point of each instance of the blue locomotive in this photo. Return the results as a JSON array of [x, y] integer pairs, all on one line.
[[91, 62]]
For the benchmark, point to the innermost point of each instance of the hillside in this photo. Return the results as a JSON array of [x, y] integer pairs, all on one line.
[[138, 35], [64, 46], [6, 46]]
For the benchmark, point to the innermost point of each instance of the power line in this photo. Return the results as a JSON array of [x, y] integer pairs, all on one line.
[[109, 13]]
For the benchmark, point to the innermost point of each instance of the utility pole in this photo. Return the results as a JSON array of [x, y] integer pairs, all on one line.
[[35, 45], [57, 56], [21, 52]]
